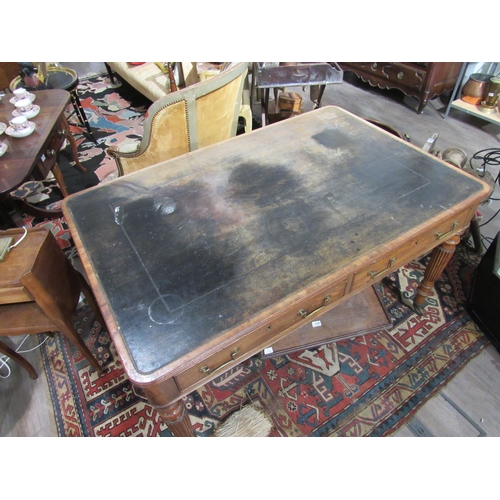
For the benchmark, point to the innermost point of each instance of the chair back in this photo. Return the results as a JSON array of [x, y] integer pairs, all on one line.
[[188, 119]]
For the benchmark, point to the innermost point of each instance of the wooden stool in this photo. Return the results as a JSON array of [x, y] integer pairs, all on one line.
[[40, 291]]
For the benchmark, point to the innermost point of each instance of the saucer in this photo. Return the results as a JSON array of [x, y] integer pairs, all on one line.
[[3, 148], [28, 114], [2, 128], [15, 99], [21, 133]]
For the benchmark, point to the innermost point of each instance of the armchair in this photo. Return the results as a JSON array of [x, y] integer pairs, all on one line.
[[188, 119]]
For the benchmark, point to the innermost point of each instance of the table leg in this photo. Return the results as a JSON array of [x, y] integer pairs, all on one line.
[[174, 415], [60, 180], [73, 146], [440, 257], [264, 106]]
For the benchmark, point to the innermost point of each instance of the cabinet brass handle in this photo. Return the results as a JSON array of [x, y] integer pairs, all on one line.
[[374, 275], [305, 314], [205, 369], [400, 75], [440, 236]]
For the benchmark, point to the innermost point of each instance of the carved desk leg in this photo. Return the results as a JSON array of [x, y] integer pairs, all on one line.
[[440, 257], [174, 415]]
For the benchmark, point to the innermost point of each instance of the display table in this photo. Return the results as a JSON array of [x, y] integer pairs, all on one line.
[[266, 77], [204, 260]]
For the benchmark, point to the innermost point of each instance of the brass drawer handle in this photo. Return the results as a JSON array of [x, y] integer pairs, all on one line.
[[205, 369], [374, 275], [305, 314], [400, 75], [440, 236]]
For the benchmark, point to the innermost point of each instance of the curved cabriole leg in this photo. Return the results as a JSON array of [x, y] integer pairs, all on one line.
[[440, 257], [176, 417]]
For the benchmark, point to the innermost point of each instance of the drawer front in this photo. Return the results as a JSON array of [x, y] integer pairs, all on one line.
[[407, 76], [14, 295], [416, 247], [262, 337], [373, 68], [48, 155]]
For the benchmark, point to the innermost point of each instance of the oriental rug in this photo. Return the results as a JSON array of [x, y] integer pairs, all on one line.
[[366, 386]]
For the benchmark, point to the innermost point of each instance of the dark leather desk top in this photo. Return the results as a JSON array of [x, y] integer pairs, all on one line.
[[187, 249]]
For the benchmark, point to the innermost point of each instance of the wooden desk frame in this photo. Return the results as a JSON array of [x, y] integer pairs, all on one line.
[[165, 386]]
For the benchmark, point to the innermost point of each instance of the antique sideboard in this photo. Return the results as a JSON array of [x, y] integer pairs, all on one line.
[[423, 80]]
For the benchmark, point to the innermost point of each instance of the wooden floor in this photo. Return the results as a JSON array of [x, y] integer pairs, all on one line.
[[468, 406]]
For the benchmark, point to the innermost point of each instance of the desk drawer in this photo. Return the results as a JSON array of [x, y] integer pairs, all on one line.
[[14, 295], [262, 337], [415, 247], [49, 152]]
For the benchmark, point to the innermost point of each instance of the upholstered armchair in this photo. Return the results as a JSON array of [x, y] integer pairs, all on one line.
[[188, 119]]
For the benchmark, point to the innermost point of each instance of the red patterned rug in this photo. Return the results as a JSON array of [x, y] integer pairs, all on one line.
[[367, 386]]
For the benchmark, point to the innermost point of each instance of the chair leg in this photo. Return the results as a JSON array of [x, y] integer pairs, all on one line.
[[110, 73], [5, 349]]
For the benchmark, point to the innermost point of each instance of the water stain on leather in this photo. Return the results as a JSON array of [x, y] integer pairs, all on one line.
[[260, 184], [185, 259], [329, 139], [288, 220]]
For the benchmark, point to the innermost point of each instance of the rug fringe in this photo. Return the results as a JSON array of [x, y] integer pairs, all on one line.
[[250, 421]]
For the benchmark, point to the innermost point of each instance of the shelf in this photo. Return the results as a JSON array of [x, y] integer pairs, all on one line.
[[471, 109]]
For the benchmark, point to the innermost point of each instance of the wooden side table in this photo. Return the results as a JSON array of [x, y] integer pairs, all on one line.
[[36, 155], [40, 290]]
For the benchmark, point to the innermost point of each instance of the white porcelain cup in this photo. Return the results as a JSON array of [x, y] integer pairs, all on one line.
[[20, 93], [24, 105], [19, 123]]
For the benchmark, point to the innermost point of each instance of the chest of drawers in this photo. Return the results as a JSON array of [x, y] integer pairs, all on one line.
[[423, 80]]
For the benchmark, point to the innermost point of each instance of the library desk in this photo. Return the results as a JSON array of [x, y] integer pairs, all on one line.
[[204, 260]]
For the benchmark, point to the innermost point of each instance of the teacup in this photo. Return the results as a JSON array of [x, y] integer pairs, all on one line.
[[24, 105], [19, 123], [21, 94]]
